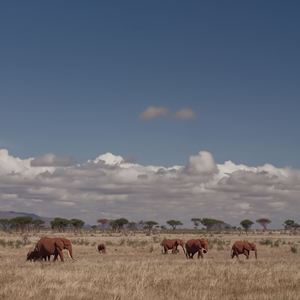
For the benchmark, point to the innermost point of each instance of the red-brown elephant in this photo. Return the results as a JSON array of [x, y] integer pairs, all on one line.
[[53, 246], [172, 244], [196, 246], [101, 248], [243, 247]]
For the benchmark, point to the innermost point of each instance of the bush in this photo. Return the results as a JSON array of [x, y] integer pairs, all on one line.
[[294, 249]]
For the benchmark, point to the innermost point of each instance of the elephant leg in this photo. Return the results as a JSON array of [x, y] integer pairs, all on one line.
[[246, 253], [61, 256], [200, 254]]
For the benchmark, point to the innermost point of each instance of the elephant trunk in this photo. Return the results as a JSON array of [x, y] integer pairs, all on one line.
[[186, 252]]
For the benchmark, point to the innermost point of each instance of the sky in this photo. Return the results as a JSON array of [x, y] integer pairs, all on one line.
[[157, 83]]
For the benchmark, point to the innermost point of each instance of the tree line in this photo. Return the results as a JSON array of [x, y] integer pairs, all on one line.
[[27, 223]]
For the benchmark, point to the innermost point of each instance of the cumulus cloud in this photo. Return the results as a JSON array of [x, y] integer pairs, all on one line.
[[185, 114], [153, 112], [110, 186], [51, 160]]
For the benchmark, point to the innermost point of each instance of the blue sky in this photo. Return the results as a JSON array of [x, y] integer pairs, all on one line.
[[76, 75]]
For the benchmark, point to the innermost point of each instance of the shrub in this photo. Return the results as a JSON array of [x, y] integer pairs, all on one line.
[[294, 249]]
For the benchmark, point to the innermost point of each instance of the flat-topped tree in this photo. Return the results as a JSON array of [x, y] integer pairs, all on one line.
[[38, 224], [77, 223], [246, 224], [263, 222], [174, 223], [118, 224], [196, 221], [132, 226], [150, 224], [59, 224], [209, 223], [288, 224], [21, 223]]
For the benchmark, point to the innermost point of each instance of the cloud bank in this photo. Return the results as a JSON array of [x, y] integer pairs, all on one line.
[[153, 112], [109, 186]]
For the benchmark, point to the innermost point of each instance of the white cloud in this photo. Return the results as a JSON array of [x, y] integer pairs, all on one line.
[[109, 185], [153, 112], [185, 114]]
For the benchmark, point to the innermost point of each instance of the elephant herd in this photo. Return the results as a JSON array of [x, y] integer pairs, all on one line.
[[200, 246], [48, 246]]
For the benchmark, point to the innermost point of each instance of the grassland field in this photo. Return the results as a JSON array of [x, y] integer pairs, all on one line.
[[134, 268]]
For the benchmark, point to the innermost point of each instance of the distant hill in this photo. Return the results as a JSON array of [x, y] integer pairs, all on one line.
[[14, 214]]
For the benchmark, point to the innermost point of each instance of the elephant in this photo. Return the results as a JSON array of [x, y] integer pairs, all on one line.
[[33, 255], [243, 247], [101, 248], [53, 246], [196, 245], [172, 244]]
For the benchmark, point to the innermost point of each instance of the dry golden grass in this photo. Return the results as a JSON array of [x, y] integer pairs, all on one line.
[[134, 268]]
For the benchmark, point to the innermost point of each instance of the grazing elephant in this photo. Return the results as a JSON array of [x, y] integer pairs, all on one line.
[[168, 244], [102, 248], [53, 246], [243, 247], [33, 255], [194, 246]]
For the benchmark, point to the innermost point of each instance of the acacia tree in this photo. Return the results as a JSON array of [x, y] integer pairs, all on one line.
[[132, 226], [174, 223], [290, 224], [196, 221], [263, 222], [21, 223], [38, 224], [150, 224], [246, 224], [209, 223], [118, 224], [59, 224], [103, 222], [77, 224]]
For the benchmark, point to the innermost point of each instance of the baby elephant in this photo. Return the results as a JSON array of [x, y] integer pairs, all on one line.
[[102, 248], [243, 247], [33, 255]]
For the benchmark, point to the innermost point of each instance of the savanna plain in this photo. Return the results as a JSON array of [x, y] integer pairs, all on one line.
[[135, 268]]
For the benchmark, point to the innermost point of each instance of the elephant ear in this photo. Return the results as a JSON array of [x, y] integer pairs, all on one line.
[[59, 244], [247, 246]]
